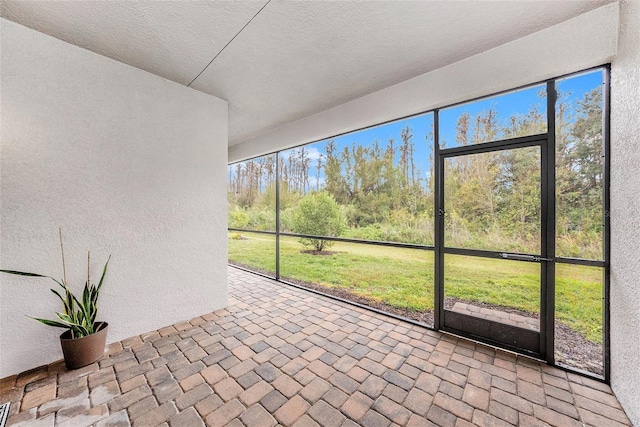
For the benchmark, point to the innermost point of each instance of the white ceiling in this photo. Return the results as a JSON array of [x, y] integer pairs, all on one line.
[[285, 60]]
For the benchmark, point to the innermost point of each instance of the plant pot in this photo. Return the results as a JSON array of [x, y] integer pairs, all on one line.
[[79, 352]]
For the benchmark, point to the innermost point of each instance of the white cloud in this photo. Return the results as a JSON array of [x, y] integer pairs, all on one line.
[[312, 153]]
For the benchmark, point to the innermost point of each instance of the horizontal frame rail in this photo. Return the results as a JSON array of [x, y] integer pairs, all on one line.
[[340, 239], [454, 251], [246, 230], [503, 144], [581, 261], [488, 254]]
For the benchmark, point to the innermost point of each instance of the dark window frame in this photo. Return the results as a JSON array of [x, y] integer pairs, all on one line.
[[548, 303]]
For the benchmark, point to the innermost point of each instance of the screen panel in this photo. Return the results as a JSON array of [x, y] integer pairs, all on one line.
[[395, 280], [579, 328]]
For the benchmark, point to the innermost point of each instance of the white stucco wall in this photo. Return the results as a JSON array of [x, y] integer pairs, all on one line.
[[128, 164], [585, 41], [625, 213]]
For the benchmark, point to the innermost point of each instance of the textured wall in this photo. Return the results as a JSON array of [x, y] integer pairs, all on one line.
[[128, 164], [625, 213], [585, 41]]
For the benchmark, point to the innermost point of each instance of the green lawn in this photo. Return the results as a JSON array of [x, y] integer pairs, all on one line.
[[404, 277]]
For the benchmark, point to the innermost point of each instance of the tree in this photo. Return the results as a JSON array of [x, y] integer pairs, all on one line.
[[318, 214], [579, 176]]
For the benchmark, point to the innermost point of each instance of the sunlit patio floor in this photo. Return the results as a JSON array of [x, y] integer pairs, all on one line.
[[279, 355]]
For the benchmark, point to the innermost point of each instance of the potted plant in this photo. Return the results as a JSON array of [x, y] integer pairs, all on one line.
[[84, 340]]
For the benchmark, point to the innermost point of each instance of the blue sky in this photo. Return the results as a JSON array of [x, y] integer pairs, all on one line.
[[420, 127], [507, 105]]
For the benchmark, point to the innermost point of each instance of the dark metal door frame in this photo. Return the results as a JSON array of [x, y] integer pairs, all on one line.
[[536, 344]]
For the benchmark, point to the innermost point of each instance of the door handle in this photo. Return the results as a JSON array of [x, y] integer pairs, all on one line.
[[521, 257]]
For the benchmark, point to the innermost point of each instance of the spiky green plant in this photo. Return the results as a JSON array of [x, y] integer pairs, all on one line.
[[77, 315]]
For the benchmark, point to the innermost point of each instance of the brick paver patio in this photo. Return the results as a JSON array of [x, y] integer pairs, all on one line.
[[280, 355]]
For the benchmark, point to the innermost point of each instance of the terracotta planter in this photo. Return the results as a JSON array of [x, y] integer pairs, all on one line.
[[84, 351]]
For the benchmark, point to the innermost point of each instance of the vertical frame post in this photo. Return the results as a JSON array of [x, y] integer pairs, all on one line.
[[438, 223], [548, 270], [606, 116], [277, 215]]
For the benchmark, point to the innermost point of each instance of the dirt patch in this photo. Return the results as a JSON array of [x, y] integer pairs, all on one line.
[[575, 351], [572, 348], [237, 236], [314, 252]]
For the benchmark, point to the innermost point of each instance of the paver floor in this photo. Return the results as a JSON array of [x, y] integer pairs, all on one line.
[[284, 356]]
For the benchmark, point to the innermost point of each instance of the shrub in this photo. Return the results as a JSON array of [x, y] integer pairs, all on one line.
[[238, 219], [262, 219], [318, 214]]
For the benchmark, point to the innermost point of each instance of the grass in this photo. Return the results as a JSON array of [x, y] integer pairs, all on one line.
[[404, 278]]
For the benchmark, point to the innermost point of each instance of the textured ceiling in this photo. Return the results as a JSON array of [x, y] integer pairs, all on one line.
[[279, 61]]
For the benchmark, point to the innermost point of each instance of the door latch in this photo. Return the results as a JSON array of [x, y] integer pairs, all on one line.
[[522, 257]]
